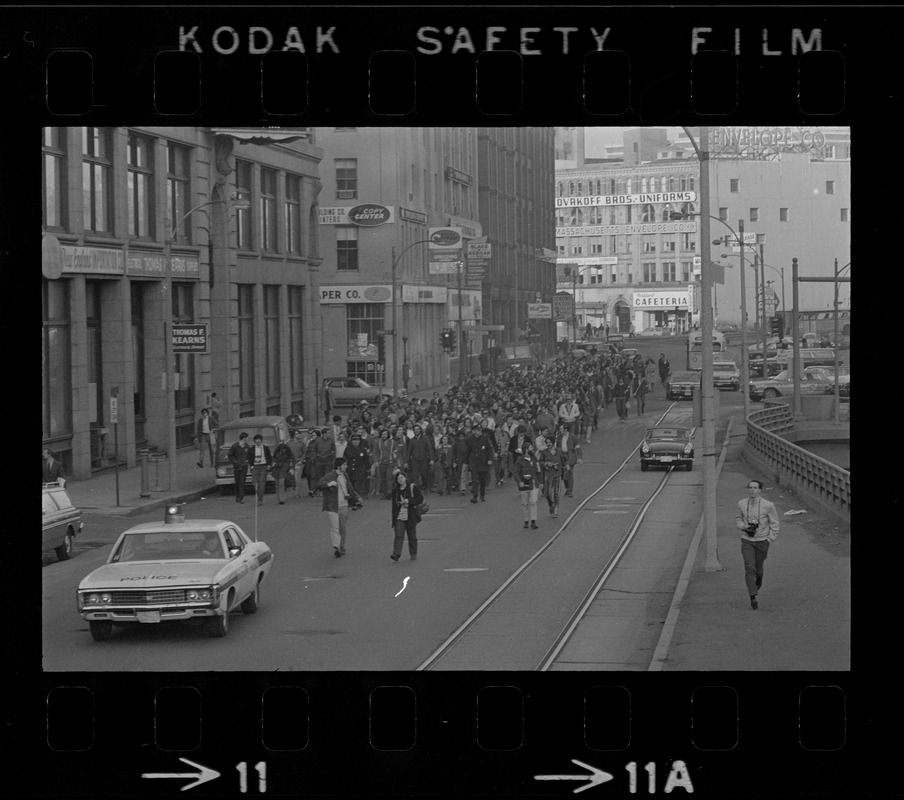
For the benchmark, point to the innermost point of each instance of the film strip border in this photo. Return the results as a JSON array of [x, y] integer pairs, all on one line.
[[468, 734]]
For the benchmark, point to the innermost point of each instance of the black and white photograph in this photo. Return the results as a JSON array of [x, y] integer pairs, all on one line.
[[288, 319]]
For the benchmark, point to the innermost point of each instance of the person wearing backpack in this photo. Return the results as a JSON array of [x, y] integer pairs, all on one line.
[[407, 499]]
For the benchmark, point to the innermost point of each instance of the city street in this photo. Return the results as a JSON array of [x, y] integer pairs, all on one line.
[[359, 612]]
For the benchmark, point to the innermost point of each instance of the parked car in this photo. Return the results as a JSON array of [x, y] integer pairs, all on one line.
[[682, 384], [726, 375], [62, 521], [667, 447], [782, 385], [654, 332], [755, 365], [351, 391], [828, 373], [273, 430], [175, 571], [809, 357], [816, 340]]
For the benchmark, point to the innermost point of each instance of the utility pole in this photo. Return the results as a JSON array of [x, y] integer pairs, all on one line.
[[745, 371], [707, 405], [795, 324], [395, 326], [763, 315]]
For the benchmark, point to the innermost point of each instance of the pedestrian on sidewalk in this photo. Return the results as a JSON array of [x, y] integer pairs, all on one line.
[[757, 520], [238, 457], [53, 469], [406, 502], [283, 463], [205, 435], [338, 497], [261, 458], [527, 473]]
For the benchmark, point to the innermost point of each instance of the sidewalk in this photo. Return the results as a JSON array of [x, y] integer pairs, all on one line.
[[97, 494], [804, 618]]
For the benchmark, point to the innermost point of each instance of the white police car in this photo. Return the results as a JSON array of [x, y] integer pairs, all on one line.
[[176, 571]]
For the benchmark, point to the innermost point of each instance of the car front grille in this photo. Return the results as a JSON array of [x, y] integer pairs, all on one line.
[[139, 598]]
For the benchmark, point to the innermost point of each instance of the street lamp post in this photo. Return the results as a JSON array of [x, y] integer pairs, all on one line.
[[396, 326], [835, 339], [575, 271]]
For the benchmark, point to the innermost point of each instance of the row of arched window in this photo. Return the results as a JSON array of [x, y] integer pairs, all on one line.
[[608, 215]]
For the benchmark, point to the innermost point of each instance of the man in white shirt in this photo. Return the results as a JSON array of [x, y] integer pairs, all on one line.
[[757, 520], [570, 413]]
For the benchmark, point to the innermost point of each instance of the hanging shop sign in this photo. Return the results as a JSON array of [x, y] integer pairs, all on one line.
[[93, 260], [424, 294], [562, 305], [189, 337], [539, 310], [448, 238], [409, 215], [365, 215]]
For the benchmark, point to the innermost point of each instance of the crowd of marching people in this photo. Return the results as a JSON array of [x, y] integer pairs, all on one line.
[[523, 424]]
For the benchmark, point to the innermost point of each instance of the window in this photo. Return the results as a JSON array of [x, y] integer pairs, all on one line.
[[669, 245], [734, 185], [723, 214], [614, 275], [367, 319], [54, 169], [845, 217], [296, 352], [669, 272], [560, 249], [97, 170], [754, 215], [689, 242], [649, 273], [596, 249], [577, 249], [647, 214], [649, 244], [293, 214], [268, 210], [243, 215], [271, 337], [686, 271], [141, 187], [346, 178], [346, 247], [783, 215], [56, 359], [246, 341], [177, 192], [613, 246], [830, 187]]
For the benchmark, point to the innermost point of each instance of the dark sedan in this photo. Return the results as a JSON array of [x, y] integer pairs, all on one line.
[[667, 447]]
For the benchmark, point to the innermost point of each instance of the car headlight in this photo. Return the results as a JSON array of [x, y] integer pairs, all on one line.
[[644, 449], [688, 448], [221, 472], [195, 595], [93, 599]]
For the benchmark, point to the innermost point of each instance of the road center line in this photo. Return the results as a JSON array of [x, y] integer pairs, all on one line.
[[466, 569]]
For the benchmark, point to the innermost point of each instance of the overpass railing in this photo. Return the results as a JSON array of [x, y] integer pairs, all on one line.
[[820, 479]]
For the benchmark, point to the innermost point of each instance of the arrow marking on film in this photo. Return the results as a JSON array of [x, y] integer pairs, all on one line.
[[404, 584], [199, 777], [596, 778]]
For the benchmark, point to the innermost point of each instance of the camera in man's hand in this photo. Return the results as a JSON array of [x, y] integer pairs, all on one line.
[[751, 528]]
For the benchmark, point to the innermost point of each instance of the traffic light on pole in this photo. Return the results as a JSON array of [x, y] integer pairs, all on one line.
[[381, 349], [776, 326]]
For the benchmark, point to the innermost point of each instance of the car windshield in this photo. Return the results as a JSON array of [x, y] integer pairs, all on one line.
[[667, 433], [169, 545], [724, 367]]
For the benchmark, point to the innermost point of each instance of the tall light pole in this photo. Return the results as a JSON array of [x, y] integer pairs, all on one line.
[[835, 337], [707, 406]]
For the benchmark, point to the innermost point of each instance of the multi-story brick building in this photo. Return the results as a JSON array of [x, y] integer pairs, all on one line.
[[151, 226]]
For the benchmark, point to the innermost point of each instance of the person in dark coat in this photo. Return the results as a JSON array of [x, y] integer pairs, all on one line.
[[53, 469], [420, 456], [406, 500], [481, 453], [283, 463], [238, 457], [338, 497], [322, 454], [357, 455], [260, 459]]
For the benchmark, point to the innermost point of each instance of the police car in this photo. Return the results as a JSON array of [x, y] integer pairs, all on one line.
[[179, 570]]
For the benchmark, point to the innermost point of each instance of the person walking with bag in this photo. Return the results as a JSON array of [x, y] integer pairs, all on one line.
[[757, 520], [527, 473], [338, 496], [283, 463], [553, 463], [407, 499]]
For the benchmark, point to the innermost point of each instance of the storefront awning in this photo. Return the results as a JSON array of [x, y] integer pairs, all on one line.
[[265, 135]]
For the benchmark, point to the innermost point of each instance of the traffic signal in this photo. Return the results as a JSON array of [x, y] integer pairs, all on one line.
[[447, 340], [777, 326], [381, 349]]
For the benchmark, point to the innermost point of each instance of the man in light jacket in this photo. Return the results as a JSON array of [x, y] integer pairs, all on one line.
[[338, 496], [757, 520]]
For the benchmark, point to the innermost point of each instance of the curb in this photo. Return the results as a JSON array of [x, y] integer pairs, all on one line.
[[150, 505], [661, 653]]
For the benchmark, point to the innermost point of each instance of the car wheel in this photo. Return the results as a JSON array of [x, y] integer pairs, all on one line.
[[226, 489], [644, 467], [64, 551], [689, 467], [218, 626], [253, 601], [101, 630], [768, 394]]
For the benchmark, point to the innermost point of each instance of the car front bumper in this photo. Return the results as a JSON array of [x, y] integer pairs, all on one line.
[[667, 459]]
